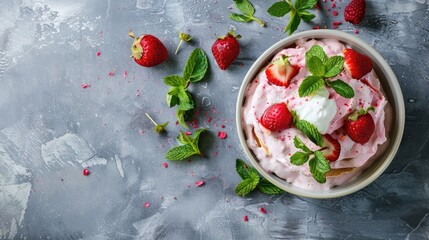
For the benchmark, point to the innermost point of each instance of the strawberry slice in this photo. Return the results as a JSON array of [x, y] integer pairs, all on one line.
[[331, 148], [356, 64], [277, 117], [280, 72]]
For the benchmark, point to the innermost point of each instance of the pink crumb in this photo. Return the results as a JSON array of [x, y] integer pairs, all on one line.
[[188, 133], [246, 218], [146, 204], [199, 183], [335, 13], [138, 93], [98, 53], [165, 165], [125, 74], [85, 85], [263, 210], [356, 31], [85, 172], [221, 135], [112, 73], [333, 5], [222, 126]]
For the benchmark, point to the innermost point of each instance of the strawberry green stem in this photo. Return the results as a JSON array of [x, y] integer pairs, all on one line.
[[178, 46], [151, 119], [258, 21]]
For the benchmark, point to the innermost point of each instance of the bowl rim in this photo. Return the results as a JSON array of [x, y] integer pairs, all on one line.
[[392, 82]]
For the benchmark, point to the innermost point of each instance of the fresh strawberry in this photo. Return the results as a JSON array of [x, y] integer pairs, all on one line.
[[356, 64], [331, 148], [226, 49], [360, 126], [355, 11], [147, 50], [277, 117], [280, 72]]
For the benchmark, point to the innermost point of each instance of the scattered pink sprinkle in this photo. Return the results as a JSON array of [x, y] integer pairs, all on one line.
[[246, 218], [98, 53], [188, 133], [316, 27], [141, 132], [138, 93], [333, 5], [165, 165], [222, 126], [337, 23], [209, 119], [146, 204], [125, 74], [335, 13], [221, 135], [263, 210], [199, 183], [356, 31], [112, 73], [85, 172], [85, 85]]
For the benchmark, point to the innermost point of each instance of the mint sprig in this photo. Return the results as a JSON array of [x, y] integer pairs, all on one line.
[[247, 10], [322, 68], [318, 164], [252, 180], [195, 69], [298, 12], [189, 148]]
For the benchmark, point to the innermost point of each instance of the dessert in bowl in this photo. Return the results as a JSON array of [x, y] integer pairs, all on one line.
[[320, 114]]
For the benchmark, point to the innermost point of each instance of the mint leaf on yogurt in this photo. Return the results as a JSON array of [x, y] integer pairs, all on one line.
[[310, 131], [322, 68]]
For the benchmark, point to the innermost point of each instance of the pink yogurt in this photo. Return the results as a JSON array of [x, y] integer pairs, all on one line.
[[279, 145]]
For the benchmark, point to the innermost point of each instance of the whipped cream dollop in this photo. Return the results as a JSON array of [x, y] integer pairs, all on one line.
[[319, 110], [325, 109]]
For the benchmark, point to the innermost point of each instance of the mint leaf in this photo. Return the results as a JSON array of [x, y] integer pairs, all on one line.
[[334, 65], [293, 22], [342, 88], [279, 9], [315, 66], [244, 170], [180, 115], [268, 188], [317, 175], [185, 100], [299, 158], [309, 85], [246, 186], [239, 17], [172, 100], [321, 164], [316, 51], [305, 4], [245, 7], [197, 137], [299, 144], [306, 16], [196, 66], [180, 152], [183, 138], [174, 81], [310, 131]]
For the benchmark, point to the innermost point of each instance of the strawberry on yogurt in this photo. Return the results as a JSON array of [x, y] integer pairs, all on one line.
[[324, 108]]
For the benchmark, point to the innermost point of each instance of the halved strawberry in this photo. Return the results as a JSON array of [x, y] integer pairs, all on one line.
[[331, 148], [356, 64], [277, 117], [280, 72]]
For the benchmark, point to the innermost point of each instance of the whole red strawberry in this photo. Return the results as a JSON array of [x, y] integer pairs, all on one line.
[[147, 50], [355, 11], [360, 126], [357, 64], [226, 49], [277, 117]]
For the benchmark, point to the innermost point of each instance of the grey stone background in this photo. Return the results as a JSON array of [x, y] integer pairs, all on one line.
[[51, 128]]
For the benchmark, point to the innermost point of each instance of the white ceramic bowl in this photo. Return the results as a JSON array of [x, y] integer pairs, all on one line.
[[393, 94]]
